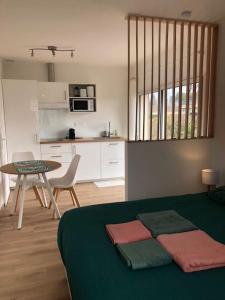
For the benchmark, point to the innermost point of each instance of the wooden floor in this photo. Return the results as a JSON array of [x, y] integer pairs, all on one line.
[[30, 264]]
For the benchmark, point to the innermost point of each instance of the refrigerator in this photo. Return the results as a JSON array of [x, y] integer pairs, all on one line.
[[21, 118]]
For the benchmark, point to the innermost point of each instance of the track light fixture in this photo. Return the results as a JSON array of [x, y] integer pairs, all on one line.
[[53, 50]]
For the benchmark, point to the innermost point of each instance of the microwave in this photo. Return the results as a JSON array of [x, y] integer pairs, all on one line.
[[82, 105]]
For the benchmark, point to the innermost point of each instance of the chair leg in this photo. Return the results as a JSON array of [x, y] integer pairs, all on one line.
[[54, 193], [38, 197], [44, 197], [72, 197], [75, 196]]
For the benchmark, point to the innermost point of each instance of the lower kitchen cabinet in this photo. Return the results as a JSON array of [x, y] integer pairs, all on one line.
[[90, 163], [112, 169], [99, 160], [112, 159]]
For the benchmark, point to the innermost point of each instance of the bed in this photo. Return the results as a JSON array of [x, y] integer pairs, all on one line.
[[96, 272]]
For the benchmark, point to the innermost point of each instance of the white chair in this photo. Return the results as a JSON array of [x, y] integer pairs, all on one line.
[[66, 182], [33, 181]]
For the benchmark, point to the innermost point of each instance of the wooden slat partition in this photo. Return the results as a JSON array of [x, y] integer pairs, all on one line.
[[136, 124], [170, 20], [166, 79], [188, 81], [207, 90], [174, 76], [159, 82], [152, 80], [211, 111], [180, 79], [201, 82], [172, 96], [194, 80], [143, 138], [128, 81]]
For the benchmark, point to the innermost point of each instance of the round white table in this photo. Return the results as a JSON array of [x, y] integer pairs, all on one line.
[[24, 169]]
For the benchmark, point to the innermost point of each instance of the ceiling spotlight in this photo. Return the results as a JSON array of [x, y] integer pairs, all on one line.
[[186, 14], [53, 50]]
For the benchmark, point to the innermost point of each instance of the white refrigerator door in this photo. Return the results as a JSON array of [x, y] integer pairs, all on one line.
[[4, 179], [21, 116]]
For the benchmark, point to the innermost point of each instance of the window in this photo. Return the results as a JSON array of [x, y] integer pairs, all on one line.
[[171, 83]]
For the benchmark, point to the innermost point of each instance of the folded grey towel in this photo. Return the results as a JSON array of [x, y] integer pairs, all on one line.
[[144, 254], [165, 222]]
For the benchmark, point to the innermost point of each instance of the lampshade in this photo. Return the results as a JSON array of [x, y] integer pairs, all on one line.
[[210, 177]]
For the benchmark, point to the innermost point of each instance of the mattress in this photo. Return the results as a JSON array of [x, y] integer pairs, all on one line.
[[96, 272]]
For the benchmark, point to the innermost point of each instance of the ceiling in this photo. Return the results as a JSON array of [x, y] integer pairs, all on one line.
[[97, 29]]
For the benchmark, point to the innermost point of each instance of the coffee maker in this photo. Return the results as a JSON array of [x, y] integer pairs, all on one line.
[[72, 135]]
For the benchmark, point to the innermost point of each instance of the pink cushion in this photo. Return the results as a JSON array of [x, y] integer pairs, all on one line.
[[128, 232], [194, 250]]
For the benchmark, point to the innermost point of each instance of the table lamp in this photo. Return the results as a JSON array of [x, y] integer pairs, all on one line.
[[210, 178]]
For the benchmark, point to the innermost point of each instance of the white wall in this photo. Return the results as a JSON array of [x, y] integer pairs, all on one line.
[[166, 168], [111, 97], [24, 70]]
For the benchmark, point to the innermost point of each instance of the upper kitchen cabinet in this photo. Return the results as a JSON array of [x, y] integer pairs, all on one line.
[[53, 95], [21, 116]]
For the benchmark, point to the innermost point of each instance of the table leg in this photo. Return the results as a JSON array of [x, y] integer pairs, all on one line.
[[21, 202], [52, 199], [15, 193], [44, 197], [43, 194]]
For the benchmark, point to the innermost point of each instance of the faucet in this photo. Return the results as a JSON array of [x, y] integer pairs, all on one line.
[[109, 130]]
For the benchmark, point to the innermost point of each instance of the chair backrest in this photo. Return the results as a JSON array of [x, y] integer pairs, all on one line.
[[22, 156], [70, 176]]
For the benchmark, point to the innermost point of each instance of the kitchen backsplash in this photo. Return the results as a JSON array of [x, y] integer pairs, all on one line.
[[55, 124]]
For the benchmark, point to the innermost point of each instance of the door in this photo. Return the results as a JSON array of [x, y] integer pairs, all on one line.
[[89, 167], [21, 116], [53, 92], [4, 179]]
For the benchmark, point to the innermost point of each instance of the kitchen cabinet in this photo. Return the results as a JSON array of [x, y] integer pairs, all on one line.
[[112, 159], [99, 160], [59, 152], [90, 163], [53, 93]]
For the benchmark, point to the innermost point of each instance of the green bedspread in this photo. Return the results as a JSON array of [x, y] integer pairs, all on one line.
[[96, 272], [144, 254], [165, 222]]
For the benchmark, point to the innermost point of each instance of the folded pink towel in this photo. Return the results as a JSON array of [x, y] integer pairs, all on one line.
[[128, 232], [194, 250]]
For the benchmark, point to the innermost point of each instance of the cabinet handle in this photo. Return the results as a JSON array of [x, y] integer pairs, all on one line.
[[56, 146], [113, 144], [56, 156], [113, 162]]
